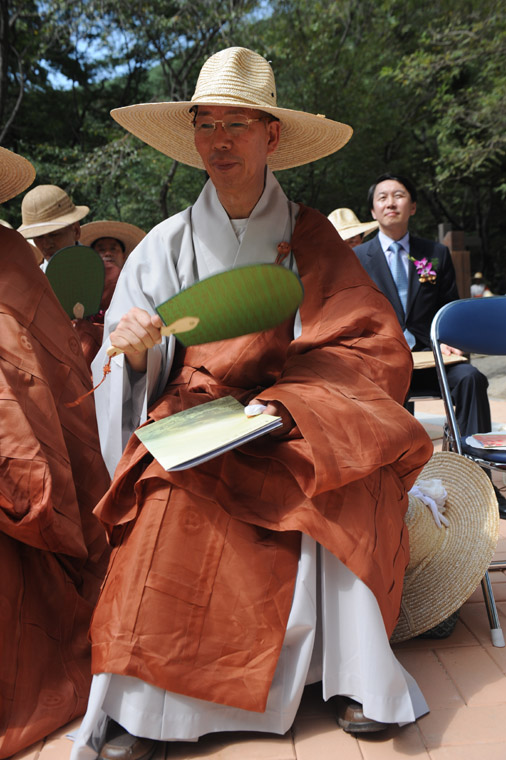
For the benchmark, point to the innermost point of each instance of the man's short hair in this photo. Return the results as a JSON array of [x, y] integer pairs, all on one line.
[[398, 178]]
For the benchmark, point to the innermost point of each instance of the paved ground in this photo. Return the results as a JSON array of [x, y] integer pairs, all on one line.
[[494, 367], [463, 678]]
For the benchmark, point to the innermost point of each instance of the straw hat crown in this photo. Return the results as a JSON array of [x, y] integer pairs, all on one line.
[[16, 174], [236, 75], [47, 208], [128, 234], [348, 225], [446, 564]]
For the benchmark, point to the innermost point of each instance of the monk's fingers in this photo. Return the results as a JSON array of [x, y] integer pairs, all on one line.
[[276, 409], [136, 332]]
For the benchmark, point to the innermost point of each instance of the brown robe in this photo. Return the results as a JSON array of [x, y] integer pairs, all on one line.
[[201, 579], [53, 551]]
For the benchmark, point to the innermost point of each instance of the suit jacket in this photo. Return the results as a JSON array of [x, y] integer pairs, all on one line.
[[424, 299]]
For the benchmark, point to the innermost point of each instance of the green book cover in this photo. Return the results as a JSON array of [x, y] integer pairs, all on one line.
[[195, 435]]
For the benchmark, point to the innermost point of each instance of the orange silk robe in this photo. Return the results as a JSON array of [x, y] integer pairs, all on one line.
[[201, 578], [53, 551]]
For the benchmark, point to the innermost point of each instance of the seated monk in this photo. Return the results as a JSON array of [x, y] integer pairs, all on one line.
[[234, 583], [53, 551]]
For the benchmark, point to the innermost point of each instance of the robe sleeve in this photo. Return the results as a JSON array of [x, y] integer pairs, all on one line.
[[161, 264], [347, 375]]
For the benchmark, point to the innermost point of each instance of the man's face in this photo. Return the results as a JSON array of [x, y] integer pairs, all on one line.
[[392, 208], [355, 240], [236, 163], [110, 250], [52, 242]]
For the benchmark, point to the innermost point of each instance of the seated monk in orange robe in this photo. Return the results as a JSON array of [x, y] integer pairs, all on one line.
[[211, 617], [53, 551]]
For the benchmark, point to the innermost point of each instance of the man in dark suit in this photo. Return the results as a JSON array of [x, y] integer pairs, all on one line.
[[390, 260]]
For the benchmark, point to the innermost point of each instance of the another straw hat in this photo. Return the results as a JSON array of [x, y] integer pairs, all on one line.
[[16, 174], [234, 77], [128, 234], [447, 564], [347, 224], [47, 208]]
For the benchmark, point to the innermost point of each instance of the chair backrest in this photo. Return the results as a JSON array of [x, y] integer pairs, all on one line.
[[474, 325]]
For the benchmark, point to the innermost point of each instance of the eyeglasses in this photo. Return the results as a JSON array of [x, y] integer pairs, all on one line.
[[233, 125]]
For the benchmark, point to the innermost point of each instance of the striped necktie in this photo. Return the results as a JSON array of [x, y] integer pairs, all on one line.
[[400, 278]]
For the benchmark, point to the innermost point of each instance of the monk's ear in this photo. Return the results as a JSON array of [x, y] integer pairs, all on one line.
[[273, 133]]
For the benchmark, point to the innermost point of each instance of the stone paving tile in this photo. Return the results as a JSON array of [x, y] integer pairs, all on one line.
[[471, 752], [234, 746], [481, 724], [478, 678], [461, 637], [498, 579], [474, 617], [395, 742], [498, 654], [320, 738], [429, 672]]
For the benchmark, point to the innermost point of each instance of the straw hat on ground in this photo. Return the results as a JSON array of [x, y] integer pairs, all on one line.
[[234, 77], [16, 174], [48, 208], [447, 564], [348, 225], [127, 234]]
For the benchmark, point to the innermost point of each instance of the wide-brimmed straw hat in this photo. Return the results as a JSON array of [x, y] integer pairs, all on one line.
[[234, 77], [126, 233], [348, 225], [47, 208], [16, 174], [447, 564]]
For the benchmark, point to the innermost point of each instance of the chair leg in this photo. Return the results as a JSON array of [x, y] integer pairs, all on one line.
[[493, 618]]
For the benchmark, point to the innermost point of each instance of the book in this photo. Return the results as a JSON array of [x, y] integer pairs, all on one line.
[[425, 359], [195, 435], [487, 440]]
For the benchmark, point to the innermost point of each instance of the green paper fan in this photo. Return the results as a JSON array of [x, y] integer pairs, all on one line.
[[77, 276], [232, 303]]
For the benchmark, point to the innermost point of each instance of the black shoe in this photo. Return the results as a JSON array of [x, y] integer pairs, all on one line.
[[501, 500]]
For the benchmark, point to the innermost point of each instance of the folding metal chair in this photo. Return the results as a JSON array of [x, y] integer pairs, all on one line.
[[474, 325]]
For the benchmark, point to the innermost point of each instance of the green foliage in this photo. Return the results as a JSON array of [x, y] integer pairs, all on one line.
[[422, 85]]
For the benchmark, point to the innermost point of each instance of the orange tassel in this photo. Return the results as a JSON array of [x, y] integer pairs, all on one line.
[[283, 251], [106, 370]]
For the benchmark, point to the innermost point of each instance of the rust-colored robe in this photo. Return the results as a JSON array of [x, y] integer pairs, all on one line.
[[201, 579], [53, 551]]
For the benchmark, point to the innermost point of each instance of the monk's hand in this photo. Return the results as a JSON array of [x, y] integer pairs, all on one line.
[[276, 409], [136, 332], [448, 350]]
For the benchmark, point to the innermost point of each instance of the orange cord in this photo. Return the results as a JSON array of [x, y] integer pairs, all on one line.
[[106, 371]]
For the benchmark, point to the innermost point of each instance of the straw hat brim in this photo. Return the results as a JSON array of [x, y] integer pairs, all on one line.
[[305, 137], [45, 228], [364, 228], [16, 174], [432, 592], [129, 234]]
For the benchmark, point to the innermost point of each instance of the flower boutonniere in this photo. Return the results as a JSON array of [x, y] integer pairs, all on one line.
[[425, 269]]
